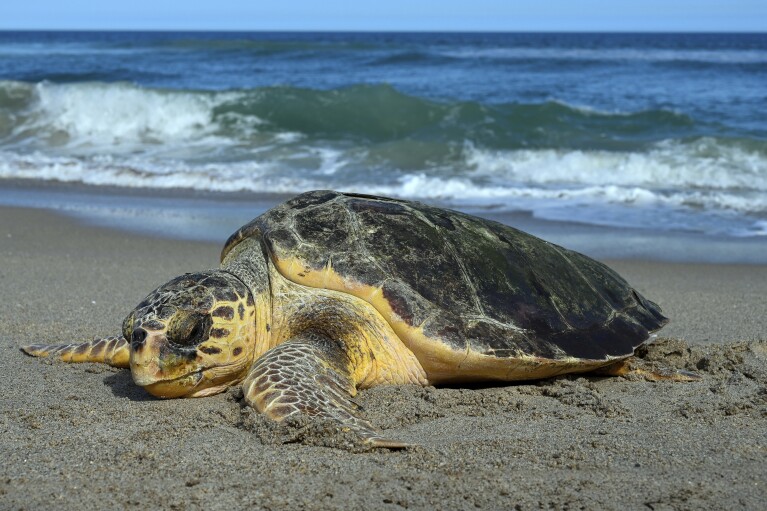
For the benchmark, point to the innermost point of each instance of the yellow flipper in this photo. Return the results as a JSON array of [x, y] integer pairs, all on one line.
[[113, 351], [310, 375]]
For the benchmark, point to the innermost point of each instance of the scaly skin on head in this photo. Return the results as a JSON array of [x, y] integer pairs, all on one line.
[[192, 337]]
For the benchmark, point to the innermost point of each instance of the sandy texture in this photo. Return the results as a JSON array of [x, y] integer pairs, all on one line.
[[83, 437]]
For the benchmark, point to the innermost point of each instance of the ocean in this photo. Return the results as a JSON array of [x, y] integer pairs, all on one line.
[[666, 132]]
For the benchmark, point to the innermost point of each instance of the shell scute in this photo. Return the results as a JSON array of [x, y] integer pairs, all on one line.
[[322, 224], [362, 206], [415, 254]]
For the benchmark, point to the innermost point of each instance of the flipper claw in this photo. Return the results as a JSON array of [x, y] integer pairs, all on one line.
[[387, 443]]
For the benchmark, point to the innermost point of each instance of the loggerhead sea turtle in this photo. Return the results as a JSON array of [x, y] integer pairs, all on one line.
[[329, 293]]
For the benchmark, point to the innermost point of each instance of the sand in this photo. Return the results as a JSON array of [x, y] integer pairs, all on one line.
[[84, 437]]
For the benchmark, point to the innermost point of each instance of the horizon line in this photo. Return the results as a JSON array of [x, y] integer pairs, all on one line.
[[392, 31]]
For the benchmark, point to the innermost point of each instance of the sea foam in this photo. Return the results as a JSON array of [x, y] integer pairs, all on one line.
[[120, 115], [462, 153]]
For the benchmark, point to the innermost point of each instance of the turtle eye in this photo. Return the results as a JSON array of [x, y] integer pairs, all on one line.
[[128, 325], [190, 329]]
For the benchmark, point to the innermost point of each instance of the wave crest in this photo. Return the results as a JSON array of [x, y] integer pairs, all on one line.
[[115, 114]]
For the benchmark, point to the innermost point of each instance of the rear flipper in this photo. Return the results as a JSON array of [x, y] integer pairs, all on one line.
[[114, 351], [638, 367], [310, 375]]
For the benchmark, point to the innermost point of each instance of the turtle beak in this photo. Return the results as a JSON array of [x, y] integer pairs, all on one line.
[[161, 372], [145, 356]]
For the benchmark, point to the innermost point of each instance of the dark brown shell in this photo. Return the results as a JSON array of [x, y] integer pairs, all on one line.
[[472, 283]]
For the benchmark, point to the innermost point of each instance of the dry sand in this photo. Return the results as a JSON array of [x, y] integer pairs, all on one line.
[[84, 437]]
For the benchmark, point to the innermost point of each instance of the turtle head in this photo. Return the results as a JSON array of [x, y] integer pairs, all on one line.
[[193, 336]]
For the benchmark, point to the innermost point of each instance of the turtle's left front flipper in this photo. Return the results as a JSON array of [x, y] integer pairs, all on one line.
[[114, 351], [311, 375]]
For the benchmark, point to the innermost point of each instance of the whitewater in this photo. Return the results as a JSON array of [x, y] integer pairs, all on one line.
[[636, 133]]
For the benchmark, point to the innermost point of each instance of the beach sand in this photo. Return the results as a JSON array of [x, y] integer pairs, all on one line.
[[83, 437]]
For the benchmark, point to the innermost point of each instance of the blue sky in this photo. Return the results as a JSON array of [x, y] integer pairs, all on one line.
[[499, 15]]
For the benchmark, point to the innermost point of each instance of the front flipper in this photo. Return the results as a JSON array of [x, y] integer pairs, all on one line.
[[311, 375], [114, 351]]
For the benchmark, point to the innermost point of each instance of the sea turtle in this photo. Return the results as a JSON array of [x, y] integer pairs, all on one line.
[[332, 292]]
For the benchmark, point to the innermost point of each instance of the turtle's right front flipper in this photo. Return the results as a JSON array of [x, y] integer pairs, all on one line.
[[114, 351], [310, 375]]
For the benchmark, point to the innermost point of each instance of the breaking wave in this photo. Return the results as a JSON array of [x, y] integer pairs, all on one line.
[[375, 139]]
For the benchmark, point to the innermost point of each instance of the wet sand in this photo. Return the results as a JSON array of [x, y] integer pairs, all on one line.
[[84, 437]]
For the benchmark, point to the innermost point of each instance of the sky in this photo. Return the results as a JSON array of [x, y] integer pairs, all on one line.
[[403, 15]]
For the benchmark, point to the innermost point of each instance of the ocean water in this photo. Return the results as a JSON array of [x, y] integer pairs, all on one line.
[[646, 131]]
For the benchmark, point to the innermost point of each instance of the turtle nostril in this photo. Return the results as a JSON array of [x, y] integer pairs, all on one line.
[[138, 337]]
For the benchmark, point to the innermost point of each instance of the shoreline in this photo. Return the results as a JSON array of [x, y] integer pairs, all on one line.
[[79, 435], [194, 215]]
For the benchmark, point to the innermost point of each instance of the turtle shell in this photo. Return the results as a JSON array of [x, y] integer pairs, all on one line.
[[454, 281]]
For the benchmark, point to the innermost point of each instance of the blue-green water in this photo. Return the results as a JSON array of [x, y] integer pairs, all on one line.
[[659, 131]]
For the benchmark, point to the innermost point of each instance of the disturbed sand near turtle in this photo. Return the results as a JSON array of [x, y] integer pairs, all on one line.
[[84, 437]]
